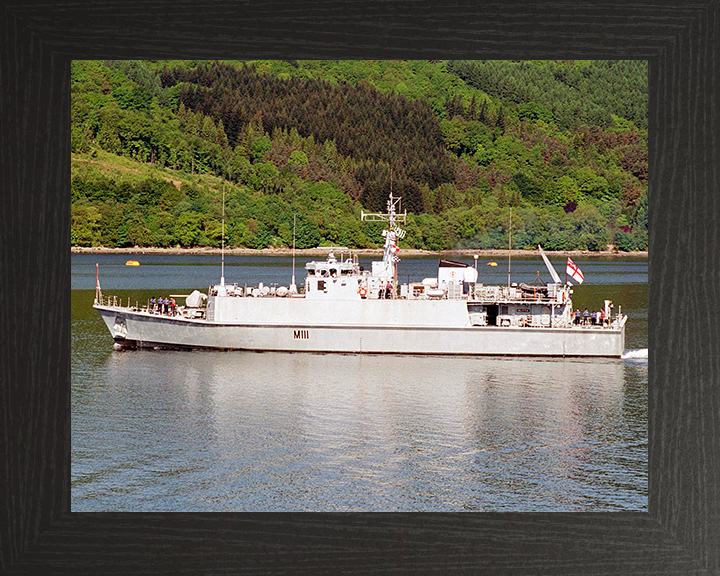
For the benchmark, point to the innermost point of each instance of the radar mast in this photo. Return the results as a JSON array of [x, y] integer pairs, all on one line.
[[392, 234]]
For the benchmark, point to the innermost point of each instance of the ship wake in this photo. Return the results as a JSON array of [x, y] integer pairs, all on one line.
[[641, 354]]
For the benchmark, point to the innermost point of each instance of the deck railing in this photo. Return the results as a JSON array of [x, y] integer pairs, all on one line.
[[115, 302]]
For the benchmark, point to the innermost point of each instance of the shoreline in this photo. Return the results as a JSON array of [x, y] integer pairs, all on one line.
[[362, 252]]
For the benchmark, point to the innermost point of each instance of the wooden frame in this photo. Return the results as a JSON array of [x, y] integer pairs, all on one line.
[[678, 535]]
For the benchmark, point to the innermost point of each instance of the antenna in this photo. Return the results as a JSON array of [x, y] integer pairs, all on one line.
[[222, 264], [392, 215], [293, 287], [509, 247]]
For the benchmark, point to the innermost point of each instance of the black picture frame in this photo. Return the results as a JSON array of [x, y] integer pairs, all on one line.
[[681, 531]]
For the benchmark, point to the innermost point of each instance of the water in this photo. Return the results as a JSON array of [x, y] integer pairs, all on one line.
[[240, 431]]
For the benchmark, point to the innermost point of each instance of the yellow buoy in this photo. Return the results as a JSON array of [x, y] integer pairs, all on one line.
[[492, 263], [132, 263]]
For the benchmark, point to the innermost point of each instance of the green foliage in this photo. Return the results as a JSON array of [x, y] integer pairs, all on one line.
[[562, 143], [260, 147], [187, 228], [567, 93], [624, 242], [84, 225], [590, 229], [533, 111], [307, 233], [262, 237], [298, 158]]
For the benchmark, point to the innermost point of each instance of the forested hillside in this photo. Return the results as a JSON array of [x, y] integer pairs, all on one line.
[[156, 144]]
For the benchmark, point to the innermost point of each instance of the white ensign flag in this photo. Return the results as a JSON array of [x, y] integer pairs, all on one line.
[[574, 272]]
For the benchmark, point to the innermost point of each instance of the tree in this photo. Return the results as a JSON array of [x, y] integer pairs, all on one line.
[[138, 234], [533, 111], [264, 177], [187, 229], [307, 233], [83, 225], [262, 237], [80, 137], [213, 232], [446, 197], [260, 146], [454, 134], [641, 214], [298, 158], [566, 190], [108, 137], [591, 228], [624, 241]]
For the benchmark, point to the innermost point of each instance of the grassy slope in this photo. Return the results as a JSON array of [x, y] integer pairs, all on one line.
[[124, 169]]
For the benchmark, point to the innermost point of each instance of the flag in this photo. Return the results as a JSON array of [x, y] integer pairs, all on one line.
[[574, 272]]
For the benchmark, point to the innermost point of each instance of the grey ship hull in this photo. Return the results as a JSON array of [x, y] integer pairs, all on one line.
[[440, 334]]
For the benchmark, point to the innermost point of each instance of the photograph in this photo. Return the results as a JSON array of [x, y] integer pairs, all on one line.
[[384, 294], [359, 285]]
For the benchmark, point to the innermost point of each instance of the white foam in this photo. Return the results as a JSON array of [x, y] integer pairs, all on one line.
[[641, 354]]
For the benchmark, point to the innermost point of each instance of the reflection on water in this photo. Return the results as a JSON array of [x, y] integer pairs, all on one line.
[[237, 431], [252, 431]]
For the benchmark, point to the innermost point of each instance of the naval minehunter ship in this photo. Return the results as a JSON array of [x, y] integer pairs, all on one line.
[[344, 308]]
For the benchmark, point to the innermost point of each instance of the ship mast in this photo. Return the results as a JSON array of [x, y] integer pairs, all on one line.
[[222, 250], [98, 290], [293, 287], [392, 234], [509, 247], [391, 223]]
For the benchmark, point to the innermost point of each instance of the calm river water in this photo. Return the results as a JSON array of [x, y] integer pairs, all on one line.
[[242, 431]]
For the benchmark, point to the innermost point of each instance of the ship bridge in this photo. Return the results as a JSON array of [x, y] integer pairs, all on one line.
[[333, 268], [333, 278]]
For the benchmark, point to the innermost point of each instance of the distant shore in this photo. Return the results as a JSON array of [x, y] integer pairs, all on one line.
[[362, 252]]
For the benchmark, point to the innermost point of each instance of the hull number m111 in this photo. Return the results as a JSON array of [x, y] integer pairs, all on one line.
[[301, 334]]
